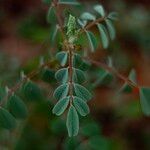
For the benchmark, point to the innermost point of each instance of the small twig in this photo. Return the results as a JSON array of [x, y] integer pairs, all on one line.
[[55, 4], [112, 70], [99, 20]]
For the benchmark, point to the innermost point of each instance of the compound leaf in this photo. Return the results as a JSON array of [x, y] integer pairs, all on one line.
[[61, 91], [61, 105], [92, 40], [82, 92], [62, 57], [17, 107], [7, 121], [104, 36], [81, 106], [145, 100], [72, 122], [62, 75]]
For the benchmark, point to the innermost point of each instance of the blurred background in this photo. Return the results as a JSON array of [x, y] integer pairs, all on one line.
[[119, 120]]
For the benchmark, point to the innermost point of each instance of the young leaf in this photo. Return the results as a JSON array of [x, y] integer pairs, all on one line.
[[7, 121], [17, 107], [62, 57], [111, 29], [78, 76], [31, 91], [113, 16], [62, 75], [87, 16], [61, 105], [61, 91], [69, 2], [72, 122], [104, 37], [82, 92], [81, 106], [92, 40], [145, 100], [100, 10]]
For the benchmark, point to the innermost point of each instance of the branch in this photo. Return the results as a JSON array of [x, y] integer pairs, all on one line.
[[28, 76], [112, 70]]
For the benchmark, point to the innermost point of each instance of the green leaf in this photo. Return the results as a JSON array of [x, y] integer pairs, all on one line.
[[62, 57], [31, 91], [104, 36], [48, 75], [145, 100], [53, 34], [92, 40], [17, 107], [82, 92], [111, 29], [113, 16], [7, 121], [69, 2], [61, 91], [81, 106], [61, 106], [78, 75], [87, 16], [100, 10], [77, 61], [72, 122], [82, 23], [62, 75], [51, 15]]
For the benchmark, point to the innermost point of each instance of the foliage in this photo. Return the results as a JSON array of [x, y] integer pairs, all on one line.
[[69, 69]]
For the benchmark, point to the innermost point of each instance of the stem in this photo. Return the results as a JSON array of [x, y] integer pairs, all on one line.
[[112, 70], [70, 74]]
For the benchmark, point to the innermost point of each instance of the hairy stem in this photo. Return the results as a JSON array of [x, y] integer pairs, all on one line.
[[70, 73]]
